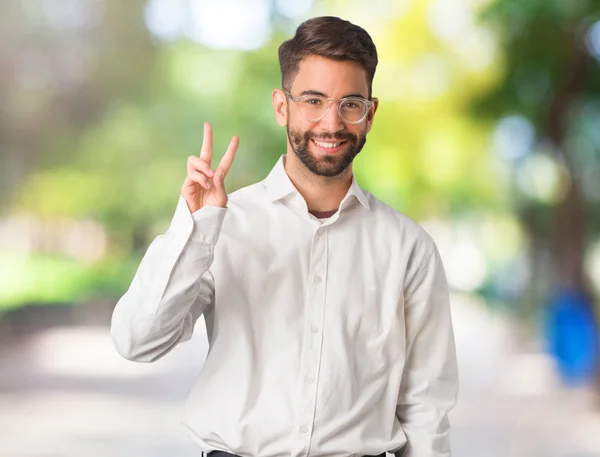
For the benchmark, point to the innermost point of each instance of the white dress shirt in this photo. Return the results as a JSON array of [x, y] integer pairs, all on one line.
[[327, 338]]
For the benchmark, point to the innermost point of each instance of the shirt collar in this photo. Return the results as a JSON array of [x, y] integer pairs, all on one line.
[[279, 185]]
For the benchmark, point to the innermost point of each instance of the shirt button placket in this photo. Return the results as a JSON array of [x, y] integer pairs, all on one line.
[[316, 303]]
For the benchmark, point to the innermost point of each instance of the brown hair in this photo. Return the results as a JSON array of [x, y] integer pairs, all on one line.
[[329, 37]]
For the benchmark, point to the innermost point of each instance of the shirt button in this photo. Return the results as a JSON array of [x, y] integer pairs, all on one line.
[[314, 329], [304, 429], [318, 279], [310, 380]]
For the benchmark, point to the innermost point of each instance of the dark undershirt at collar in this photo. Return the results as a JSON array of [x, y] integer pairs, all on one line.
[[323, 214]]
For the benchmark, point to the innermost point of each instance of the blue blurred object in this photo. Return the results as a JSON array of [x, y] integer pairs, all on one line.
[[572, 333]]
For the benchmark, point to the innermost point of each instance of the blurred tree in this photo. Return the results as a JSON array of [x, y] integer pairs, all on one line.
[[551, 81], [63, 64], [425, 143]]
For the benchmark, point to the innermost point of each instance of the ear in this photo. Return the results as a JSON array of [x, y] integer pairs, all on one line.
[[371, 115], [280, 107]]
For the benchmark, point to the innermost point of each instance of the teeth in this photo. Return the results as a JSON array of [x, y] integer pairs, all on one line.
[[327, 145]]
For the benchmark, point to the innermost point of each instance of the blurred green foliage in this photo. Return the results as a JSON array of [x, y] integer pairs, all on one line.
[[551, 79]]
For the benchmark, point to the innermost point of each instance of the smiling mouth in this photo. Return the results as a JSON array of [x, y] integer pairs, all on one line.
[[328, 144]]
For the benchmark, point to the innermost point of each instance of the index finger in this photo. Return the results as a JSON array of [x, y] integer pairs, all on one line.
[[206, 151], [227, 160]]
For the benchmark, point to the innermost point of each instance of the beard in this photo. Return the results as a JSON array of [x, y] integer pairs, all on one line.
[[326, 165]]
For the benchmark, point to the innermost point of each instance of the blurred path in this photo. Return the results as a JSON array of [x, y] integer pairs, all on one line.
[[64, 392]]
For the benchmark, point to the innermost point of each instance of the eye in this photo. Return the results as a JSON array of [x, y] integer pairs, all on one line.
[[352, 104], [313, 101]]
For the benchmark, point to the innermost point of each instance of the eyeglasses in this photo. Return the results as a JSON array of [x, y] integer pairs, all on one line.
[[313, 108]]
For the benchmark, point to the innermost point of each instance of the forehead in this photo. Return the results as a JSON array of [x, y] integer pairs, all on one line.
[[331, 77]]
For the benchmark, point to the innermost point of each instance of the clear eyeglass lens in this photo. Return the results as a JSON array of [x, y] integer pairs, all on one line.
[[351, 109]]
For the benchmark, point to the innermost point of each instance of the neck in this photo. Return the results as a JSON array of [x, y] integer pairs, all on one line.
[[321, 193]]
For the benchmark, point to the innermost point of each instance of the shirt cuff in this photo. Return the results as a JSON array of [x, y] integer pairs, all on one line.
[[203, 226]]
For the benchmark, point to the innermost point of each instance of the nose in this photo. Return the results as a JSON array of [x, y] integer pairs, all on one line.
[[332, 122]]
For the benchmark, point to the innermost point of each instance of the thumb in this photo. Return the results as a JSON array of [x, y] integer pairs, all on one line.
[[219, 182]]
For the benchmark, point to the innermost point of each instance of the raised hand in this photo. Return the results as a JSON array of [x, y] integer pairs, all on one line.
[[203, 186]]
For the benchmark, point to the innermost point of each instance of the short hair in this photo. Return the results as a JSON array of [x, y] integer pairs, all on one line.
[[329, 37]]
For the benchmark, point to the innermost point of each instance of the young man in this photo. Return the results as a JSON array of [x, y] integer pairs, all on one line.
[[326, 310]]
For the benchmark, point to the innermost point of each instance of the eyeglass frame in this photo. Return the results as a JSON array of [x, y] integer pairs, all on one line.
[[370, 103]]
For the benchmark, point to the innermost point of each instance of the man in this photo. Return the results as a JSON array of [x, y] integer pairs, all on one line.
[[327, 311]]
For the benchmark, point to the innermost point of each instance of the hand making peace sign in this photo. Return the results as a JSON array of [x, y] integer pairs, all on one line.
[[203, 186]]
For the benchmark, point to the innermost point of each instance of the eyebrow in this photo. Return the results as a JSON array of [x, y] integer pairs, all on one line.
[[316, 92]]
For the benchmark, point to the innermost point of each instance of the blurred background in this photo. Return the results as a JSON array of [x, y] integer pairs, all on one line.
[[487, 134]]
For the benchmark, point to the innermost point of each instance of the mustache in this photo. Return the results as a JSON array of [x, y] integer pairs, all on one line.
[[343, 136]]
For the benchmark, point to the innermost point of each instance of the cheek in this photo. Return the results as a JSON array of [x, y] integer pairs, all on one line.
[[358, 130], [292, 120], [298, 125]]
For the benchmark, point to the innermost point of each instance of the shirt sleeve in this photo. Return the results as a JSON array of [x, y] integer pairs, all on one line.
[[429, 385], [171, 288]]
